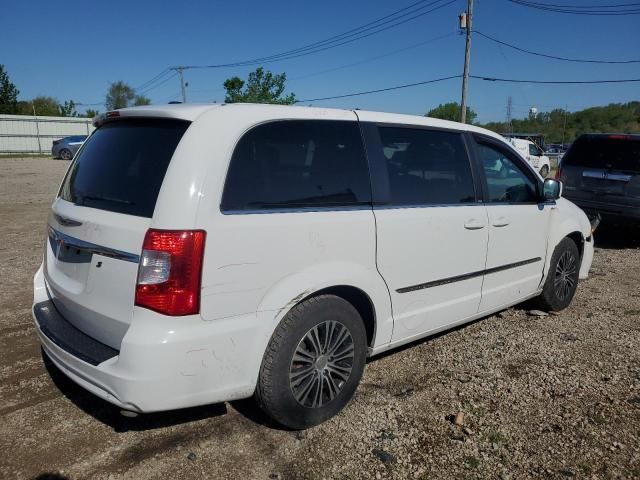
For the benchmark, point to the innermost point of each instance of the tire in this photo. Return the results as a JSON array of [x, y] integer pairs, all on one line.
[[544, 171], [562, 279], [65, 154], [301, 392]]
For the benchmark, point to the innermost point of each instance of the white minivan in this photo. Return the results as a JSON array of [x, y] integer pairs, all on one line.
[[205, 253]]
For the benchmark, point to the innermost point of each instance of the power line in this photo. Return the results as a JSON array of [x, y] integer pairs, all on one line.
[[154, 79], [476, 77], [358, 33], [397, 87], [576, 10], [377, 57], [566, 59], [148, 89]]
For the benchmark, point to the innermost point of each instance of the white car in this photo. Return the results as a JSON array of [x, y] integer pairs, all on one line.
[[533, 154], [204, 253]]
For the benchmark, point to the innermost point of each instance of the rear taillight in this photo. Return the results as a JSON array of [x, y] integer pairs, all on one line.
[[170, 271]]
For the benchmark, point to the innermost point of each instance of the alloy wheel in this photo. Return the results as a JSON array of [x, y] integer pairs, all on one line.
[[321, 364], [564, 280]]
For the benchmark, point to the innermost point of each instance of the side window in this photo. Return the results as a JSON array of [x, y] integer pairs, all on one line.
[[426, 167], [507, 182], [534, 150], [297, 164]]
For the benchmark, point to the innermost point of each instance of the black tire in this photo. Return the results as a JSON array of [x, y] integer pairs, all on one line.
[[65, 154], [278, 392], [544, 171], [562, 279]]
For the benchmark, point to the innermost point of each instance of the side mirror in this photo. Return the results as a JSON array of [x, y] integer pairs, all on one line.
[[552, 189]]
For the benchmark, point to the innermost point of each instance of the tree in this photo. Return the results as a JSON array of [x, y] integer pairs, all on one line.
[[8, 93], [68, 109], [261, 87], [119, 95], [44, 106], [141, 100], [90, 113], [451, 111]]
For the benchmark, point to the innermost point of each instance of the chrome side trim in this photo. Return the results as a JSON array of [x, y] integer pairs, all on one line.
[[59, 239], [467, 276]]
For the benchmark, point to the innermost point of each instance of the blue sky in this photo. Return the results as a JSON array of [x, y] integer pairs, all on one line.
[[73, 50]]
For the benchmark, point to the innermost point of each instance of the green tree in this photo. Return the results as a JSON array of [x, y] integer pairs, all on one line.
[[262, 86], [450, 111], [8, 93], [68, 109], [119, 95], [559, 125], [44, 106], [141, 100], [90, 113]]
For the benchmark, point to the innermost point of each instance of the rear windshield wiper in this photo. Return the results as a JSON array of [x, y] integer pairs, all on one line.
[[102, 198]]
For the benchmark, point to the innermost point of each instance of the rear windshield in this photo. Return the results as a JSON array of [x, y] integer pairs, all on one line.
[[121, 166], [605, 152]]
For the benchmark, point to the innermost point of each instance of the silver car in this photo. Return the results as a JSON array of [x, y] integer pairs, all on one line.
[[66, 147]]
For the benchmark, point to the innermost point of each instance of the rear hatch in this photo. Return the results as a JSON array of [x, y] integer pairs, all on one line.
[[603, 169], [98, 222]]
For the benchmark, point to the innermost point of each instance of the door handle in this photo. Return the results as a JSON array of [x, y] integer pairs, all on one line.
[[501, 221], [474, 224]]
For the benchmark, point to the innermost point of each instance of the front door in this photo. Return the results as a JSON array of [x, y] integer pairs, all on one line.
[[432, 233], [518, 226]]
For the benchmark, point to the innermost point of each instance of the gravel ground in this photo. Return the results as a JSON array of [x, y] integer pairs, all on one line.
[[511, 396]]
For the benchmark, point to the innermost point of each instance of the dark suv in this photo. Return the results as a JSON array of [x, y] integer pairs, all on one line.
[[601, 174]]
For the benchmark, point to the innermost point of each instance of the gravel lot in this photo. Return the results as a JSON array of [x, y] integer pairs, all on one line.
[[555, 396]]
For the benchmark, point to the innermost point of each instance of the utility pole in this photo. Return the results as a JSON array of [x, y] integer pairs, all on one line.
[[183, 86], [509, 113], [465, 23]]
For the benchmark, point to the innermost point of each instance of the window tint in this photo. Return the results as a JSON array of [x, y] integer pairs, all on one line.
[[122, 166], [534, 150], [426, 167], [297, 164], [507, 182], [616, 152]]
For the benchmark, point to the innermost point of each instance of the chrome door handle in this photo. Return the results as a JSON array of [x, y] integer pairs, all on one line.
[[474, 224], [501, 221]]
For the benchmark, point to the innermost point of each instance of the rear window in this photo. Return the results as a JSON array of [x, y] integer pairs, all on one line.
[[297, 164], [605, 152], [122, 165]]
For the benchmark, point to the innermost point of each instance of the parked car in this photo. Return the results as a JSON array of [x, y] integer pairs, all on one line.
[[532, 154], [66, 147], [601, 174], [184, 268]]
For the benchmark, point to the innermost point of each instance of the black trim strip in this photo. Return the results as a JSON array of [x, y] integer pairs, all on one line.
[[467, 276], [68, 337]]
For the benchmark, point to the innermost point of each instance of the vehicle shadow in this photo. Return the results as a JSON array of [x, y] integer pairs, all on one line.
[[616, 236], [110, 415]]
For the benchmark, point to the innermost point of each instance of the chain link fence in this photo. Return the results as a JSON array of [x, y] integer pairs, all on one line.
[[29, 134]]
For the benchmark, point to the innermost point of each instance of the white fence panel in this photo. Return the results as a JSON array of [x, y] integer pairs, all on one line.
[[35, 134]]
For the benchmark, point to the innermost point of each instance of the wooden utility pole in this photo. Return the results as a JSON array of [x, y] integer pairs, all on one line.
[[466, 24]]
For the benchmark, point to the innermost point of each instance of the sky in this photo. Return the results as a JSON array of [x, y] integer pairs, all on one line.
[[74, 50]]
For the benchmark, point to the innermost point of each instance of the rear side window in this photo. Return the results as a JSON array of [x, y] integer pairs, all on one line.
[[426, 167], [122, 165], [298, 164], [606, 152]]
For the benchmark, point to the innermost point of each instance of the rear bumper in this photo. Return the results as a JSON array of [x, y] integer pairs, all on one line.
[[608, 210], [163, 363]]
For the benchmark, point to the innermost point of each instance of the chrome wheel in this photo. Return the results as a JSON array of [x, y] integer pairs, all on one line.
[[564, 280], [321, 364]]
